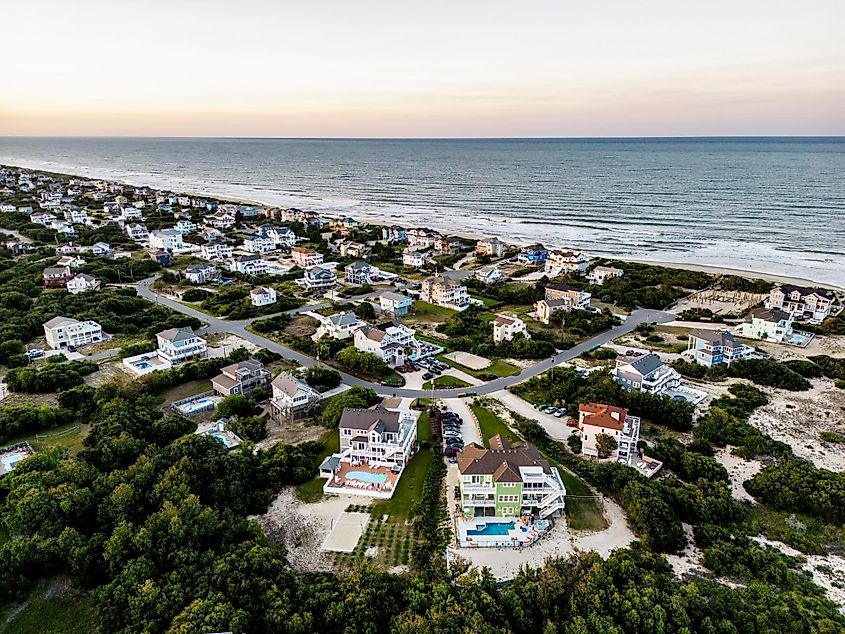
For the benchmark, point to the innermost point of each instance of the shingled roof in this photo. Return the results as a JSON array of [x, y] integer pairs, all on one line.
[[501, 461]]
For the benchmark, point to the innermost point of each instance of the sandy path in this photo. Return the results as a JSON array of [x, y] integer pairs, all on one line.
[[740, 470]]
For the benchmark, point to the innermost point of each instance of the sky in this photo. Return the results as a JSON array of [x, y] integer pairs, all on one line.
[[394, 68]]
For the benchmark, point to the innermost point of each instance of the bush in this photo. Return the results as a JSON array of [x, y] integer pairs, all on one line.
[[360, 362], [797, 486], [831, 436], [51, 377], [356, 397], [770, 373], [235, 405], [252, 428], [196, 295], [322, 378]]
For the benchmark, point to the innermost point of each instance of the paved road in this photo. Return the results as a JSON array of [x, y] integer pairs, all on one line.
[[239, 328]]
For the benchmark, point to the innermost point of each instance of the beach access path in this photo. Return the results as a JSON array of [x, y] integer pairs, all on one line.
[[239, 328]]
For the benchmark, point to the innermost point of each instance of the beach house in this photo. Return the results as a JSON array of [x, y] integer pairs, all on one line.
[[491, 247], [167, 239], [258, 244], [319, 278], [415, 259], [715, 347], [646, 373], [305, 257], [813, 304], [422, 238], [137, 232], [595, 419], [62, 332], [566, 262], [507, 481], [396, 304], [489, 275], [262, 296], [355, 250], [534, 255], [81, 283], [768, 324], [337, 326], [216, 251], [358, 273], [57, 276], [394, 233], [599, 275], [248, 265], [379, 343], [445, 292], [292, 398], [561, 297], [184, 226], [375, 445], [201, 273], [178, 345], [240, 378], [506, 327], [101, 249]]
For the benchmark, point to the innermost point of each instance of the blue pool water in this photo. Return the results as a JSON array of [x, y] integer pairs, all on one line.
[[496, 528], [363, 476], [222, 438], [11, 460]]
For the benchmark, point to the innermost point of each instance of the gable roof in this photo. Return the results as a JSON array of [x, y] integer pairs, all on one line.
[[377, 419], [500, 461]]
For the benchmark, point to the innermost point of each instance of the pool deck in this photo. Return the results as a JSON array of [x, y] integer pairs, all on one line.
[[12, 455], [341, 485], [515, 538]]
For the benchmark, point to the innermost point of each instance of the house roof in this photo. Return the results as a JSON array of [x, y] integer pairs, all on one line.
[[561, 287], [773, 315], [177, 334], [606, 416], [394, 297], [259, 290], [719, 337], [358, 265], [377, 418], [504, 320], [501, 461], [343, 319], [788, 289], [373, 334], [59, 321], [646, 364], [287, 384]]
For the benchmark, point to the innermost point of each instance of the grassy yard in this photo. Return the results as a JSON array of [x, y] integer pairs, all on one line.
[[48, 612], [445, 382], [499, 367], [312, 491], [424, 428], [67, 437], [423, 311], [491, 424]]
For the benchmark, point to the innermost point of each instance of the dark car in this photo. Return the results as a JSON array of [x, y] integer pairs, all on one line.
[[426, 376], [452, 451], [457, 492]]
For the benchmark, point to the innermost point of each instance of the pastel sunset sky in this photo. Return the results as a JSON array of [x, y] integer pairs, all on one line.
[[392, 68]]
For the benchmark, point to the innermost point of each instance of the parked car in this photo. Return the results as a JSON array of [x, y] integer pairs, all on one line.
[[457, 491], [551, 410], [451, 451], [453, 460], [572, 423], [35, 353], [427, 376], [560, 413], [71, 348]]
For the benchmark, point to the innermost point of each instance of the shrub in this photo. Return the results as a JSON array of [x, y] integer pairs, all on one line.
[[769, 372]]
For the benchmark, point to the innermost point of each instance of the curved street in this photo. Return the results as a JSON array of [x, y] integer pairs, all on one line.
[[238, 328]]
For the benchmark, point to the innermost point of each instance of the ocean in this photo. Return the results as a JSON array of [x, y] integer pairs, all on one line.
[[773, 205]]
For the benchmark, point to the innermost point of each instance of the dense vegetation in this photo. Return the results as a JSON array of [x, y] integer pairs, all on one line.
[[565, 387], [770, 373], [468, 332], [235, 303], [798, 486], [49, 377], [648, 286]]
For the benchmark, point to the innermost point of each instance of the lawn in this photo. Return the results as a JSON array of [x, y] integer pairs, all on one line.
[[423, 311], [499, 367], [65, 613], [424, 428], [491, 424], [69, 437], [312, 491], [445, 382]]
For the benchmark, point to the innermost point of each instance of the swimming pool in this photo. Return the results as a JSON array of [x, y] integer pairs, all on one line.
[[193, 406], [9, 461], [219, 435], [143, 365], [493, 528], [363, 476]]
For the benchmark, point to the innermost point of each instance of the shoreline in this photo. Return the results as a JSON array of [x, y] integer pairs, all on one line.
[[380, 221]]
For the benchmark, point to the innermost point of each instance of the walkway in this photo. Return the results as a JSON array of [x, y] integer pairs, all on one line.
[[238, 328]]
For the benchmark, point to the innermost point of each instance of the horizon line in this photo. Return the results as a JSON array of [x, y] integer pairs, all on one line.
[[425, 138]]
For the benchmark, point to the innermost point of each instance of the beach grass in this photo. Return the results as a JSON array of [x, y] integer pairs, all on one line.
[[491, 424], [48, 612]]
